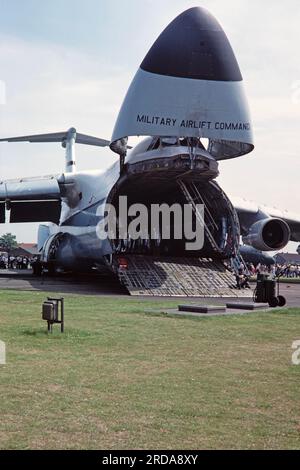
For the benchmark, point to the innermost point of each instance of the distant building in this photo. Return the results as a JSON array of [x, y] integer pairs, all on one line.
[[287, 258], [25, 249]]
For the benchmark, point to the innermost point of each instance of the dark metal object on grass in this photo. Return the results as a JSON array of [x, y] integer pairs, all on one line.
[[53, 312]]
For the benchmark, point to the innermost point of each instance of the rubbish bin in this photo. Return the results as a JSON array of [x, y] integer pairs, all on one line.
[[266, 290], [50, 311]]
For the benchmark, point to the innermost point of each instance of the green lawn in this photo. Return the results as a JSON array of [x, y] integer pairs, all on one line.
[[120, 379]]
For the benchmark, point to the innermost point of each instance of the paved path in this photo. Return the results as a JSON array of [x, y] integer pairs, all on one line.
[[89, 284], [94, 284]]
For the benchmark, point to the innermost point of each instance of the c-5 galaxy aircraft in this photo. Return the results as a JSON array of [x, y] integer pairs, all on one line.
[[187, 99]]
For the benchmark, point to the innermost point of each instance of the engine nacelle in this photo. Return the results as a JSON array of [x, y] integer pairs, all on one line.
[[268, 235]]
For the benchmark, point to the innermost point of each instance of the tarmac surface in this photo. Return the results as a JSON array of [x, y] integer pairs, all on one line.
[[84, 284], [103, 285]]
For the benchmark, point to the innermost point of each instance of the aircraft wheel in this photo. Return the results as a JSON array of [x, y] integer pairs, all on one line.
[[37, 269], [274, 302], [51, 270], [281, 301]]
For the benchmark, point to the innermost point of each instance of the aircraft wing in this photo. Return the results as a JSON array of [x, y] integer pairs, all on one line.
[[248, 211], [31, 200], [39, 199]]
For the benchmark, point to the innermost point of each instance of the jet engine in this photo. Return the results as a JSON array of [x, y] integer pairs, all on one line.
[[268, 235]]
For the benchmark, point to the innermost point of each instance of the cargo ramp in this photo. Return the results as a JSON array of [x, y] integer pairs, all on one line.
[[185, 277]]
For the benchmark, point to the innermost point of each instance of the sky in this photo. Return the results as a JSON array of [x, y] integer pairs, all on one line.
[[67, 63]]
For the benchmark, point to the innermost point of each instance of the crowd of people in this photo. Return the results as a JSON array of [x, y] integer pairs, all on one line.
[[243, 276], [16, 262], [248, 271], [284, 270]]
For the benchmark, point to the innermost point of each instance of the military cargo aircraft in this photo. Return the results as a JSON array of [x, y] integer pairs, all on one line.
[[187, 100]]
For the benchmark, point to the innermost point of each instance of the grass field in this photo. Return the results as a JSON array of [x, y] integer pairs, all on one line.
[[120, 379]]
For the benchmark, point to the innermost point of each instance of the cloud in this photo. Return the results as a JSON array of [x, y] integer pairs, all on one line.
[[55, 88], [51, 88], [51, 85]]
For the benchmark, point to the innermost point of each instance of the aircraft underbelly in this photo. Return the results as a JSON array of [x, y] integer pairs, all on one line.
[[81, 251]]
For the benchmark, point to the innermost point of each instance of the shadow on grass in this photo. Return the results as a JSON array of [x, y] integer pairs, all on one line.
[[71, 333], [154, 313], [34, 333]]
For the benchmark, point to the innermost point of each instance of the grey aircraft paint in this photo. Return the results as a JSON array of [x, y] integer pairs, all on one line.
[[189, 85]]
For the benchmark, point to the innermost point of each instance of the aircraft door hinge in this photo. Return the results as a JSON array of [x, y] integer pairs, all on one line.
[[7, 204]]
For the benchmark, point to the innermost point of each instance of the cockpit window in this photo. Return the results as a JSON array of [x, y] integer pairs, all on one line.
[[165, 141], [187, 141], [154, 144]]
